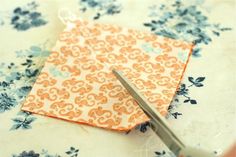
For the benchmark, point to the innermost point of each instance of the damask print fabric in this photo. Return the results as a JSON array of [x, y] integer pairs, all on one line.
[[77, 83]]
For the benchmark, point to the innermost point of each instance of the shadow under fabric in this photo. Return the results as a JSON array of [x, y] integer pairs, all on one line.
[[77, 84]]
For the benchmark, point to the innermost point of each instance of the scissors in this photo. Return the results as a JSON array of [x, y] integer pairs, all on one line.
[[159, 125]]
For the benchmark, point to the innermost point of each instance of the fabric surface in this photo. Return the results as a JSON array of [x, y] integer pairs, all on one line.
[[77, 84], [202, 112]]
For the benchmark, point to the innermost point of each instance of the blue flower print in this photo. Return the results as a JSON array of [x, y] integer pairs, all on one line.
[[6, 102], [23, 122], [182, 94], [101, 7], [181, 20], [27, 17], [16, 80], [196, 82], [184, 89], [27, 154], [73, 152]]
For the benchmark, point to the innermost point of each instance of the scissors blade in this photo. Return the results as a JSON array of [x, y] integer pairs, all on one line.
[[158, 123]]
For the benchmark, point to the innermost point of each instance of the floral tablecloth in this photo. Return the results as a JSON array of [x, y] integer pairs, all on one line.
[[203, 111]]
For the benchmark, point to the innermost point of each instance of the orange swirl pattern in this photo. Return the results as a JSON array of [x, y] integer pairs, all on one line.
[[90, 93]]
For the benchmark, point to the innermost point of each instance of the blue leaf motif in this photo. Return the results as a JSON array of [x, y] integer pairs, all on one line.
[[193, 101], [200, 79], [18, 120], [23, 122], [35, 15], [30, 120], [183, 91], [38, 22], [15, 126], [197, 81], [26, 126], [31, 72], [73, 152], [180, 27]]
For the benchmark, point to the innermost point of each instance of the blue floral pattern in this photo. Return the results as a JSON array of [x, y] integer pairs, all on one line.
[[26, 17], [183, 21], [23, 121], [6, 101], [183, 90], [183, 93], [16, 80], [27, 154], [73, 152], [102, 7]]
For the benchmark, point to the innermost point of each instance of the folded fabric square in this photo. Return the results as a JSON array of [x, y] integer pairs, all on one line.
[[77, 84]]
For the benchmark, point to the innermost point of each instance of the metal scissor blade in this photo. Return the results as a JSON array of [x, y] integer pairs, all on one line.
[[158, 123]]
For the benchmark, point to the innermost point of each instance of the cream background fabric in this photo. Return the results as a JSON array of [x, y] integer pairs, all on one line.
[[210, 124]]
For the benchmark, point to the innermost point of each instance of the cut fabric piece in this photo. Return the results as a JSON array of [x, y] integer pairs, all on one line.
[[77, 84]]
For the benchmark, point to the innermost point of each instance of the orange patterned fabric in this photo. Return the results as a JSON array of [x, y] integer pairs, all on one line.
[[77, 84]]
